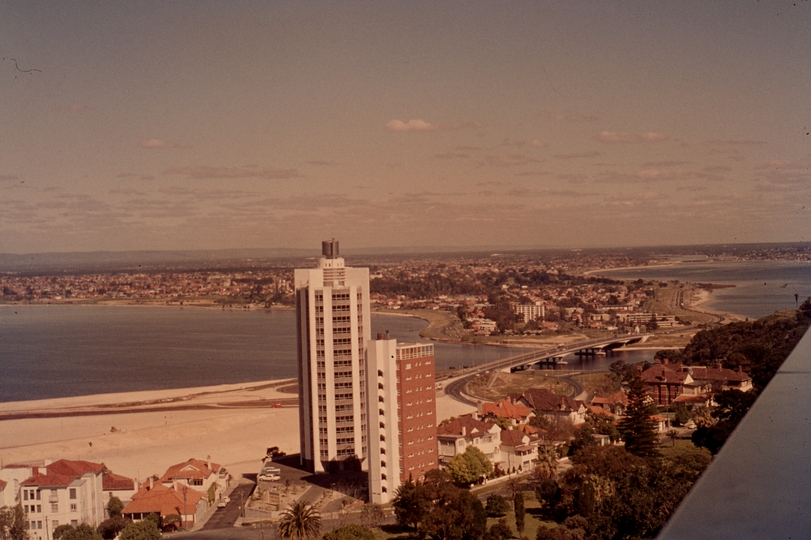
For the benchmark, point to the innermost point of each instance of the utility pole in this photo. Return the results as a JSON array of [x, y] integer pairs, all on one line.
[[185, 514]]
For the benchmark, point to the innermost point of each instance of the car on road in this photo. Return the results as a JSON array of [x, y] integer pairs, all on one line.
[[270, 474], [222, 503]]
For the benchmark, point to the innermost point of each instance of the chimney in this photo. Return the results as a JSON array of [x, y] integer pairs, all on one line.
[[151, 482], [665, 361], [208, 461], [464, 431], [381, 335], [135, 485]]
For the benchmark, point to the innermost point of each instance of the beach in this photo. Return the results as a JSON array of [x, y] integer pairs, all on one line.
[[138, 434]]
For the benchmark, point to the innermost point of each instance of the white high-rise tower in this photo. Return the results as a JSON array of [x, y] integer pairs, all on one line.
[[333, 326]]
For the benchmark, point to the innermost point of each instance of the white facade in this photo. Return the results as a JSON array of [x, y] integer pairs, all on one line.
[[384, 457], [53, 502], [530, 312], [333, 326]]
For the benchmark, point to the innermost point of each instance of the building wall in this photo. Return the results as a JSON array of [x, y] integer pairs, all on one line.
[[50, 506], [402, 414], [419, 450], [333, 326], [384, 447]]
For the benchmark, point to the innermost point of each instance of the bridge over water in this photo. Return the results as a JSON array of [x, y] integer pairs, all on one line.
[[526, 360]]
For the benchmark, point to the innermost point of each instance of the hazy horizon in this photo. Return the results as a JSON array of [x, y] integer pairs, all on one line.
[[252, 125]]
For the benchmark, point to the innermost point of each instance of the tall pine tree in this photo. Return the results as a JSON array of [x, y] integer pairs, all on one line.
[[637, 428]]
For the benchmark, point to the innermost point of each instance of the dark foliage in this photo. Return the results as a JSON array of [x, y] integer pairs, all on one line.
[[437, 509], [636, 427], [109, 528], [497, 506], [520, 511], [759, 347]]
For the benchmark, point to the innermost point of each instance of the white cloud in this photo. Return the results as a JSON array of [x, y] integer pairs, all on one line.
[[621, 137], [411, 125]]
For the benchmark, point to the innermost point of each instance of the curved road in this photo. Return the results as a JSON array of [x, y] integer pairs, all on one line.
[[456, 389]]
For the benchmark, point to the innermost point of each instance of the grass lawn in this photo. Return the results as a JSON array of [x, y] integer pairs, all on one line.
[[531, 519]]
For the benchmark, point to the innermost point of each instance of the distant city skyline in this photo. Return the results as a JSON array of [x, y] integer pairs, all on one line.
[[208, 125]]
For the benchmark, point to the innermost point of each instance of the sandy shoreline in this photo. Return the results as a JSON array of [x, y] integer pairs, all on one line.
[[234, 424]]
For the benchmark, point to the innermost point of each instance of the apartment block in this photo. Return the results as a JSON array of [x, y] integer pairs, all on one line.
[[332, 327], [402, 414]]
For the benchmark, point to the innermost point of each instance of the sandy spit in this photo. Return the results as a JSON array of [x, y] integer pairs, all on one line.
[[234, 424]]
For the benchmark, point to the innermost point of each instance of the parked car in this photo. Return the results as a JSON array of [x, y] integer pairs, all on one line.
[[222, 503]]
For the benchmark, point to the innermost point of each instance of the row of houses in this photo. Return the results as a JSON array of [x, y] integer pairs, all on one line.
[[516, 448], [54, 493]]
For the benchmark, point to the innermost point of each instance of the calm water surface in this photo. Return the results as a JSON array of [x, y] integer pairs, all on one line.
[[59, 351]]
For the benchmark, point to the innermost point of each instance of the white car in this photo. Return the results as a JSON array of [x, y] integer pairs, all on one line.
[[222, 503]]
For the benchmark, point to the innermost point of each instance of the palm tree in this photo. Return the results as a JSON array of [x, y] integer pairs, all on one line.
[[301, 521]]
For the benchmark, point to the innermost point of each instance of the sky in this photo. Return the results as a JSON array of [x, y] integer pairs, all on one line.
[[252, 124]]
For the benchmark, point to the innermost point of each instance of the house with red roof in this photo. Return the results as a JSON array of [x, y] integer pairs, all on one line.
[[519, 450], [552, 406], [665, 383], [178, 502], [516, 413], [675, 383], [455, 436], [615, 403], [62, 492], [115, 485], [205, 476]]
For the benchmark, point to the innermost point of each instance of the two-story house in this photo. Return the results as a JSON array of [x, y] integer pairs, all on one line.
[[455, 436]]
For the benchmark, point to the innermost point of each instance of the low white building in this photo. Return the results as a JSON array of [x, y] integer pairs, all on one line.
[[455, 436], [63, 492]]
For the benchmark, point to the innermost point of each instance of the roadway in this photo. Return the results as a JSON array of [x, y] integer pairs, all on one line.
[[456, 388]]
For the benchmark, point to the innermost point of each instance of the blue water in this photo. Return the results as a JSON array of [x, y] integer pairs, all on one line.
[[58, 351], [761, 287]]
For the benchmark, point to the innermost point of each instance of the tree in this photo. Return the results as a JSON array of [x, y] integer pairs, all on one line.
[[13, 523], [583, 438], [497, 506], [456, 514], [83, 531], [143, 530], [469, 467], [637, 428], [520, 511], [301, 521], [371, 514], [114, 507], [499, 530], [109, 528], [61, 530], [350, 532], [547, 461], [410, 504]]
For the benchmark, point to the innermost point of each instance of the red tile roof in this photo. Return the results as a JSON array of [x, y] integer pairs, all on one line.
[[545, 400], [613, 399], [51, 480], [513, 437], [74, 468], [661, 373], [191, 469], [704, 373], [506, 409], [111, 482], [163, 500], [471, 427]]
